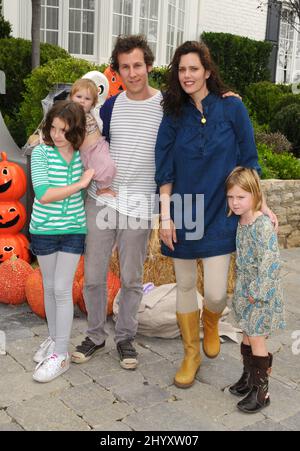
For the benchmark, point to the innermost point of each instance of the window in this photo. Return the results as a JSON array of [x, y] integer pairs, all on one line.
[[81, 27], [49, 21], [289, 50], [176, 19], [148, 22], [122, 18]]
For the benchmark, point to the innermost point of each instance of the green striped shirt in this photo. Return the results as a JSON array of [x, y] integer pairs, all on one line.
[[50, 170]]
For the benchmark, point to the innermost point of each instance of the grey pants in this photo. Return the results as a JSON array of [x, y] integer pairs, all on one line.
[[58, 272], [132, 248]]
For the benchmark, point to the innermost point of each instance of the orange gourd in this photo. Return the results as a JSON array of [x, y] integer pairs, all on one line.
[[113, 286], [12, 217], [13, 276], [14, 245], [13, 182], [35, 293]]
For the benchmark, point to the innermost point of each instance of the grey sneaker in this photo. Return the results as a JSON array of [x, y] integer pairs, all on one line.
[[128, 355], [86, 350]]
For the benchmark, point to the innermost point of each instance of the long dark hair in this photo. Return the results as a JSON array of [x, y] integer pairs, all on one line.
[[73, 115], [175, 97]]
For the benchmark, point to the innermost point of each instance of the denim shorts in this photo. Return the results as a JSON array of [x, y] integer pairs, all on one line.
[[50, 244]]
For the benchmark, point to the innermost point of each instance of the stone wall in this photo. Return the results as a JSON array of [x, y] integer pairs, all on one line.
[[283, 197]]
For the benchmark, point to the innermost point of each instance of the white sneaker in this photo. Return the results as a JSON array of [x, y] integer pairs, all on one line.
[[45, 350], [51, 367]]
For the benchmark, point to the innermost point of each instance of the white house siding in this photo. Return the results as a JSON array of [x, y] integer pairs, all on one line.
[[18, 12], [240, 17]]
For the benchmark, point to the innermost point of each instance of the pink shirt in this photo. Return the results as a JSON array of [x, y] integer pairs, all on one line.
[[97, 157]]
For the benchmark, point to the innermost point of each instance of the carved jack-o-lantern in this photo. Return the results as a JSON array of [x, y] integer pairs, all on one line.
[[13, 180], [116, 84], [12, 217], [14, 245]]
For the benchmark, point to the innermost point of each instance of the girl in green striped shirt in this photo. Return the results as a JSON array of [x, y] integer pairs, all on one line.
[[58, 228]]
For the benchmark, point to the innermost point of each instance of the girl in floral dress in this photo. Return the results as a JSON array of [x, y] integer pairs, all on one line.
[[257, 301]]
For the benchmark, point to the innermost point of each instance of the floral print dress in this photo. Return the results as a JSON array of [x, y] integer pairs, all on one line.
[[258, 277]]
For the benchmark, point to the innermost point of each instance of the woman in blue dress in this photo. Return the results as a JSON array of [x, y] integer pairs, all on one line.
[[202, 138]]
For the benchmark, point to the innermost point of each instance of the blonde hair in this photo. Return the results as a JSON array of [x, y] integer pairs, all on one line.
[[247, 179], [85, 83]]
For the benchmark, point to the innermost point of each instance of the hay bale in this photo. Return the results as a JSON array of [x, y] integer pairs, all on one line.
[[159, 269]]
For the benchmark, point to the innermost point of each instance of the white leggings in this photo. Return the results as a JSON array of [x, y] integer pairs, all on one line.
[[58, 272], [216, 271]]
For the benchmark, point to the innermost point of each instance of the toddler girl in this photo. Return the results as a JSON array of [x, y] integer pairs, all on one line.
[[95, 149]]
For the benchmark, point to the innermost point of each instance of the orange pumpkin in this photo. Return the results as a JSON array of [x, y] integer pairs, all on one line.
[[80, 269], [14, 245], [13, 182], [12, 217], [116, 85], [13, 276], [81, 303], [35, 293], [113, 286]]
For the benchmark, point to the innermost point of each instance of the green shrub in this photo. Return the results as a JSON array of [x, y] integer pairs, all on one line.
[[276, 141], [287, 121], [286, 100], [284, 166], [40, 83], [262, 99], [5, 26], [15, 61], [158, 77], [241, 61]]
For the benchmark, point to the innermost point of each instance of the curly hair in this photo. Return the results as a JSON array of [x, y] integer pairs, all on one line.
[[175, 97], [73, 116], [126, 44]]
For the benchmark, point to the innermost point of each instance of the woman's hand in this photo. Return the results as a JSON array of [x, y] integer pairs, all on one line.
[[266, 211], [86, 178], [168, 234]]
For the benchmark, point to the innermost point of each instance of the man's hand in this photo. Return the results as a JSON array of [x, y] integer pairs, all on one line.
[[231, 94], [106, 192]]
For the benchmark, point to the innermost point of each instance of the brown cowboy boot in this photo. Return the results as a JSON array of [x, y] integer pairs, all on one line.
[[189, 324], [243, 386], [258, 398]]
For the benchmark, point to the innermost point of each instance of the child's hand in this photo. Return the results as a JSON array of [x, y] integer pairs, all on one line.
[[106, 192], [86, 178]]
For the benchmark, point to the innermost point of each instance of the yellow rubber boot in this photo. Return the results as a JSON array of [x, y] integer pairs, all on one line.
[[189, 324], [211, 340]]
